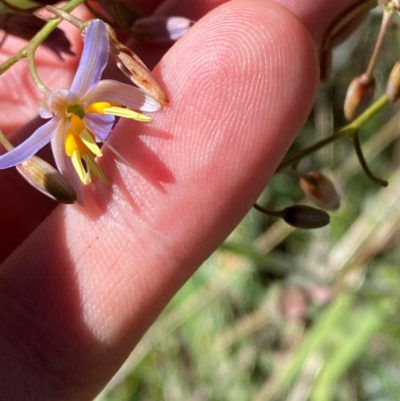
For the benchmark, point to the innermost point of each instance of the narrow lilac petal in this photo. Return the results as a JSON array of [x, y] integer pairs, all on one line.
[[41, 137], [93, 60], [65, 167], [99, 125], [44, 112], [124, 94]]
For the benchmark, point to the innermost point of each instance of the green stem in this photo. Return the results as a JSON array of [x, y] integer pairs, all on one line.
[[348, 130], [297, 156], [368, 114]]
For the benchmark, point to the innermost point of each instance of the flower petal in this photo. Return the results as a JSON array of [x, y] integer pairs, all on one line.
[[41, 137], [129, 96], [64, 165], [93, 60], [100, 125]]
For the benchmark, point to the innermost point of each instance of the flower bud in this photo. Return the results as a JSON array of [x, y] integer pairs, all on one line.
[[320, 190], [302, 216], [358, 96], [46, 179], [393, 84], [161, 30]]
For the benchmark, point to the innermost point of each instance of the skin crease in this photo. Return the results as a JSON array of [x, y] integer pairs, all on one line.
[[80, 291]]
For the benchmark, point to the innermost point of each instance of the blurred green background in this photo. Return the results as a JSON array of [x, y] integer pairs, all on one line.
[[286, 314]]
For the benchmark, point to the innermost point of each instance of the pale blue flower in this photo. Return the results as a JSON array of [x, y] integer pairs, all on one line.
[[83, 115]]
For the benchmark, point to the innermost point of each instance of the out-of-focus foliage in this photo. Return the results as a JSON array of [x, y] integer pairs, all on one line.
[[284, 314]]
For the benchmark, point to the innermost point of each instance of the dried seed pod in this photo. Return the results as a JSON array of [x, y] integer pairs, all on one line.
[[302, 216], [134, 68], [46, 179], [393, 84], [359, 95], [320, 190], [161, 30]]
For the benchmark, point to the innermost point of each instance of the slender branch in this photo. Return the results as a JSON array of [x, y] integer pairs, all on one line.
[[348, 130], [297, 156], [275, 213], [368, 113], [387, 14], [360, 156]]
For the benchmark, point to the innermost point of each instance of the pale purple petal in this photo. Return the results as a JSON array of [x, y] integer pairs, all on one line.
[[65, 166], [126, 95], [100, 125], [44, 112], [93, 60], [41, 137]]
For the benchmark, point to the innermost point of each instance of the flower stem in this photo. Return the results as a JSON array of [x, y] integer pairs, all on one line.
[[387, 14], [364, 165], [349, 130], [274, 213]]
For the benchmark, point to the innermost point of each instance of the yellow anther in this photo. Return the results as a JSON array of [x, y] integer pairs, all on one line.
[[70, 143], [73, 143], [97, 107]]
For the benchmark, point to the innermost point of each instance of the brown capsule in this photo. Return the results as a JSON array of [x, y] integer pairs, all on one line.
[[307, 217], [320, 190], [393, 83], [46, 179], [359, 94], [134, 68]]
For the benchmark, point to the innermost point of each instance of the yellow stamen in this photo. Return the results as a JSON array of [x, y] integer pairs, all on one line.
[[126, 113], [73, 143], [70, 143], [94, 168], [78, 165], [88, 140]]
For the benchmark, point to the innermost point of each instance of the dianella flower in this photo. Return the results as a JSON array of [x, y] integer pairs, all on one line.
[[84, 115]]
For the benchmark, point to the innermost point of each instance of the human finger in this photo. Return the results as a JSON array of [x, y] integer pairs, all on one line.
[[82, 289]]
